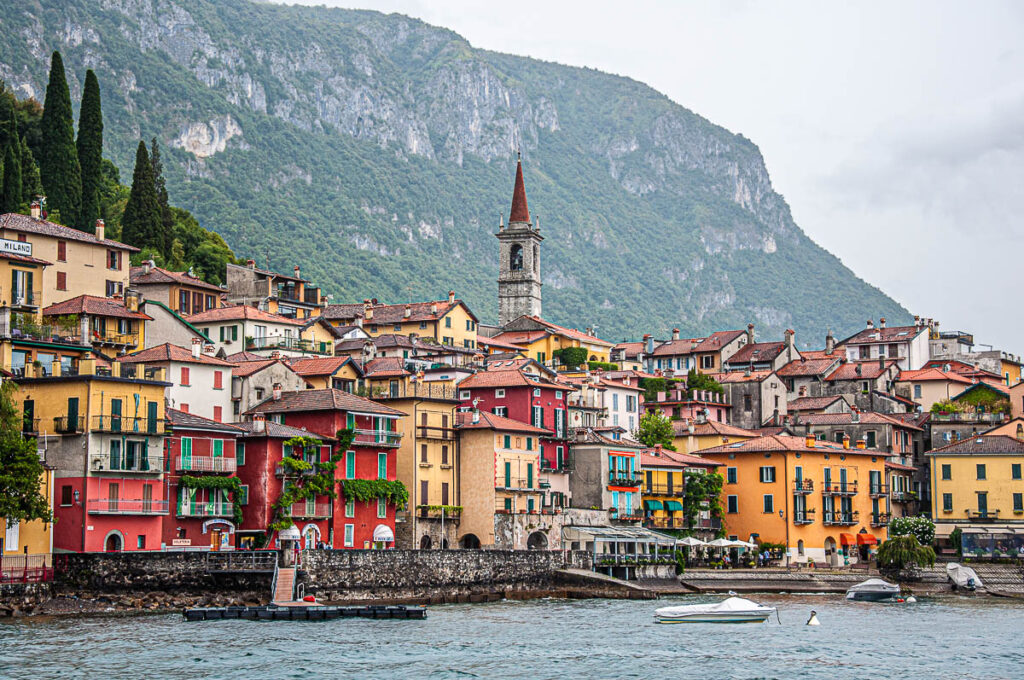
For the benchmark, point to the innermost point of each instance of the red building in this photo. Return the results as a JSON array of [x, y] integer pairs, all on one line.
[[262, 476], [373, 455], [200, 447]]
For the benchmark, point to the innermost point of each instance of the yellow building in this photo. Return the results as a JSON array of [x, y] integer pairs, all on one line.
[[183, 293], [34, 539], [500, 461], [111, 325], [449, 322], [691, 436], [341, 373], [979, 481], [664, 488], [540, 339], [79, 262], [823, 501]]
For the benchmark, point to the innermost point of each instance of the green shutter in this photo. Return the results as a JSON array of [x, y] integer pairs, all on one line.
[[508, 475], [186, 453], [508, 441], [234, 333], [382, 466], [152, 413], [529, 475], [240, 453], [218, 448], [115, 415], [529, 443], [350, 465], [222, 333]]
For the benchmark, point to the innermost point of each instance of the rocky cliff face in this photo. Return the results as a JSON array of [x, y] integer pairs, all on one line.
[[396, 137]]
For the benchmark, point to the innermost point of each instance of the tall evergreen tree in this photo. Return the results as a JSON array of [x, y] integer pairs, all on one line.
[[58, 163], [30, 182], [10, 194], [141, 224], [90, 150], [166, 216]]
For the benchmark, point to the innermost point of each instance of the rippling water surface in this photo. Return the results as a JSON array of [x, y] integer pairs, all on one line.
[[947, 638]]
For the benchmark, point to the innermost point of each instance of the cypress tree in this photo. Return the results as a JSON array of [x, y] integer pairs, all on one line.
[[30, 183], [10, 196], [141, 225], [90, 150], [163, 200], [58, 162]]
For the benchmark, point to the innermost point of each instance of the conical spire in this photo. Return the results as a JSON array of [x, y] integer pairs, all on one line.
[[520, 212]]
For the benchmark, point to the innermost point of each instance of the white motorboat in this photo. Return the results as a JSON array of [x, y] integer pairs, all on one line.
[[873, 590], [963, 578], [732, 610]]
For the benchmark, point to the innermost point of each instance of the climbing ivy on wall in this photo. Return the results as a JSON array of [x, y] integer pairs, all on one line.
[[232, 485], [304, 480], [364, 490], [703, 491]]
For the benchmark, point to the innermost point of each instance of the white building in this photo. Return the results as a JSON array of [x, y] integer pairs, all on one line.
[[200, 383], [907, 345]]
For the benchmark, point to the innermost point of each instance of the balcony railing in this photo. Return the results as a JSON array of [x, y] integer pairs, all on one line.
[[514, 484], [126, 463], [22, 327], [968, 417], [665, 523], [880, 519], [876, 490], [664, 490], [196, 463], [148, 373], [839, 489], [113, 338], [442, 433], [903, 496], [19, 297], [30, 426], [280, 471], [803, 516], [452, 512], [383, 438], [69, 424], [210, 509], [616, 478], [311, 510], [803, 486], [842, 518], [126, 506], [983, 514], [421, 390], [289, 344], [25, 568], [288, 293], [128, 424]]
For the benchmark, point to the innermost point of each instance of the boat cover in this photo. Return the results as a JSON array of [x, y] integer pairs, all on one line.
[[733, 604], [960, 575], [873, 585]]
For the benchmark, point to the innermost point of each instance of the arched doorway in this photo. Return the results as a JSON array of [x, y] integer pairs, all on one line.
[[425, 542], [469, 542], [114, 542], [311, 536], [831, 554], [537, 541], [444, 544]]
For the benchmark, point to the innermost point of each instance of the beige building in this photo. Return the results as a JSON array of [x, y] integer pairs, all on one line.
[[930, 385]]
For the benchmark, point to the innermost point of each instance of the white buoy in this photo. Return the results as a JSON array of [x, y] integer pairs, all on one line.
[[911, 599], [813, 621]]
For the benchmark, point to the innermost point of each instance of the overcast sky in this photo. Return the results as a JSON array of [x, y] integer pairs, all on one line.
[[895, 130]]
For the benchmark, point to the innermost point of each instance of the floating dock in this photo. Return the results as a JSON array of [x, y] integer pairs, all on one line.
[[304, 613]]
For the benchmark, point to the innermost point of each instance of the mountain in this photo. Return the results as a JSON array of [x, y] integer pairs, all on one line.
[[377, 152]]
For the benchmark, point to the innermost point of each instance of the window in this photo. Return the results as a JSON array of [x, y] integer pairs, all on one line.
[[508, 442], [62, 281], [839, 434], [350, 507], [500, 411], [707, 361], [423, 453], [350, 465], [218, 380], [184, 376], [142, 541], [769, 503], [981, 470], [382, 508], [1015, 471], [243, 495], [748, 404], [382, 466], [114, 259], [537, 416], [767, 474], [558, 394], [464, 394], [1018, 502], [732, 504], [871, 440], [423, 325], [218, 414], [730, 475], [536, 391], [529, 443], [349, 535], [447, 322], [62, 251], [917, 391], [67, 495], [499, 394], [114, 288], [947, 471], [444, 454]]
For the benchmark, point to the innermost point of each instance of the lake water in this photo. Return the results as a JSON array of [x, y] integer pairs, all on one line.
[[946, 637]]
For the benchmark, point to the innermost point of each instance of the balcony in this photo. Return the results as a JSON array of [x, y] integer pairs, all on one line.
[[19, 298], [665, 523], [128, 425], [969, 417], [450, 512], [842, 518], [803, 486], [515, 484], [378, 438], [664, 490], [129, 463], [880, 519], [903, 496], [196, 463], [279, 470], [201, 509], [148, 372], [801, 517], [289, 344], [442, 433], [311, 510], [23, 327], [114, 339], [69, 425], [288, 293], [878, 490], [622, 478], [983, 515], [839, 489], [126, 506]]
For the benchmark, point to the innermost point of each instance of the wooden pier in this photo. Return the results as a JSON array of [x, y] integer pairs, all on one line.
[[304, 613]]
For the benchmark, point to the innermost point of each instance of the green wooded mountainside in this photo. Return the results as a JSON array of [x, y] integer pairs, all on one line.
[[378, 152]]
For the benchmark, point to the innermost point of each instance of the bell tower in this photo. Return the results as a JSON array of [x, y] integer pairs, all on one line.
[[519, 259]]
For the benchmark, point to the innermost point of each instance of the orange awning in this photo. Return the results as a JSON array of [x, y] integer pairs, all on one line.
[[847, 539], [866, 539]]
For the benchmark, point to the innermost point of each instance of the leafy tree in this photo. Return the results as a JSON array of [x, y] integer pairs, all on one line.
[[31, 185], [10, 194], [58, 164], [699, 381], [90, 150], [166, 217], [921, 528], [20, 467], [571, 357], [141, 224], [703, 492], [904, 552], [654, 429]]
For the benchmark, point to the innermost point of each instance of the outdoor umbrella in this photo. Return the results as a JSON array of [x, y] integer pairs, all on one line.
[[721, 543], [691, 541]]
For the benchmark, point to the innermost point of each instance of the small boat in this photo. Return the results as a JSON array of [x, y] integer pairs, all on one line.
[[873, 590], [732, 610], [963, 578]]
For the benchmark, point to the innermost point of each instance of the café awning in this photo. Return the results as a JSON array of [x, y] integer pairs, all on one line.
[[383, 534], [866, 539], [673, 506], [653, 505], [847, 539]]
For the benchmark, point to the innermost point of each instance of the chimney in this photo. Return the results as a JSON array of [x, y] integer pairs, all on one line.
[[746, 373], [810, 440], [750, 333], [854, 416], [297, 272], [861, 444], [790, 343], [846, 441], [657, 449], [881, 322], [197, 347], [259, 422], [276, 355], [433, 308], [131, 300], [857, 369], [101, 233], [675, 333], [650, 344], [881, 362], [36, 208], [209, 349], [451, 297], [251, 264], [871, 324], [277, 391], [407, 313], [803, 390], [476, 416], [917, 320], [367, 310], [830, 342]]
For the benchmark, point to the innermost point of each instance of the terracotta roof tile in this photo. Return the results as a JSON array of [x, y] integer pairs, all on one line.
[[866, 417], [807, 367], [932, 374], [888, 335], [869, 370], [681, 428], [238, 312], [238, 357], [94, 306], [278, 431], [673, 459], [813, 403], [742, 376], [385, 367], [156, 275], [392, 314], [169, 352], [490, 421], [320, 365], [243, 369], [508, 379], [752, 353], [782, 442], [29, 225], [323, 400], [182, 420], [990, 443]]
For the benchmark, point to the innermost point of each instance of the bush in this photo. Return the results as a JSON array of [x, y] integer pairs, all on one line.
[[571, 357], [602, 366], [922, 528], [904, 552]]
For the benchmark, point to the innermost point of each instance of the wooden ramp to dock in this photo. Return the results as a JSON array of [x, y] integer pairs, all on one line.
[[588, 575], [284, 586]]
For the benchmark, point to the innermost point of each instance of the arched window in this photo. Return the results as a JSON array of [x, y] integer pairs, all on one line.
[[536, 259], [515, 258], [800, 547]]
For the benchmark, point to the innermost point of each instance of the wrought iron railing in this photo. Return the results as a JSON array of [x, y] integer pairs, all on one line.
[[194, 463], [126, 506], [839, 489]]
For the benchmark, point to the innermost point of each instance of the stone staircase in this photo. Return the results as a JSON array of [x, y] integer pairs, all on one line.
[[284, 589]]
